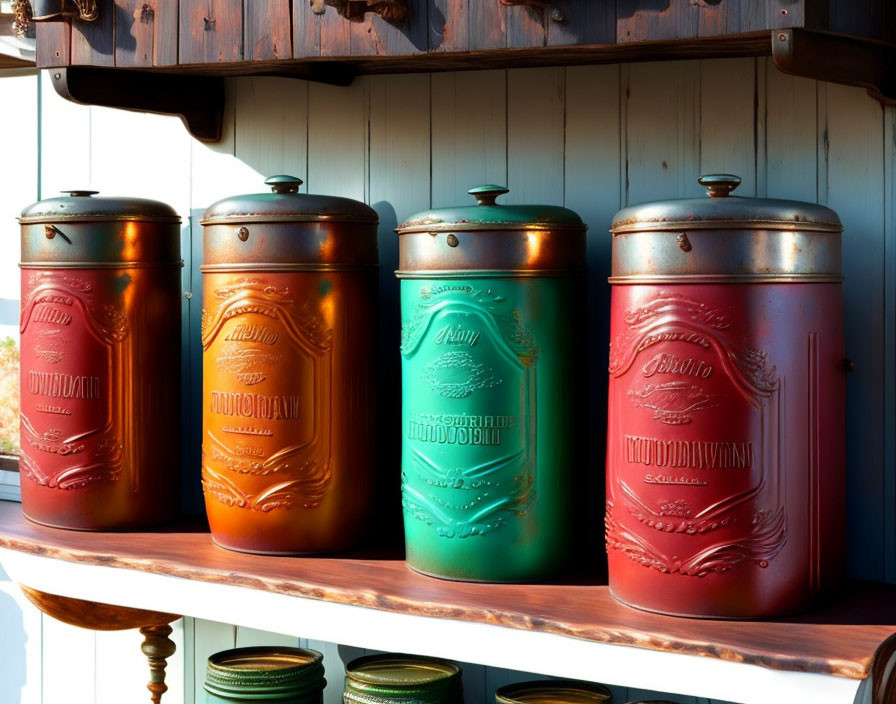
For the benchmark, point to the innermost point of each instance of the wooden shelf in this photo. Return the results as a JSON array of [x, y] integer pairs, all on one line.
[[571, 628], [126, 57]]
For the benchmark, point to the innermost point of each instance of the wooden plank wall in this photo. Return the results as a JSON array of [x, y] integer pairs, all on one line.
[[134, 33], [591, 138]]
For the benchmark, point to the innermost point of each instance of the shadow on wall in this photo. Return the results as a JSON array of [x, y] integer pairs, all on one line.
[[12, 647]]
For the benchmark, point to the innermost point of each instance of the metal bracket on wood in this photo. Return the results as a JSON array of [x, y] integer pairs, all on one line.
[[197, 100], [839, 59], [395, 11]]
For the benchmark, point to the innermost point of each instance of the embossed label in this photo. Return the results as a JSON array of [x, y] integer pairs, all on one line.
[[72, 329], [695, 481], [268, 381], [469, 378]]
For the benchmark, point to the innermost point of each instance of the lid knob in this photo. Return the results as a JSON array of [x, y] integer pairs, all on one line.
[[80, 194], [719, 185], [486, 195], [284, 184]]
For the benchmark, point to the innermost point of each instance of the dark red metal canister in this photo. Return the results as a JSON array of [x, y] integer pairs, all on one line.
[[100, 371], [725, 455]]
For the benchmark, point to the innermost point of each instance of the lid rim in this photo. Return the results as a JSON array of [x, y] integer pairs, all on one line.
[[488, 226], [729, 224]]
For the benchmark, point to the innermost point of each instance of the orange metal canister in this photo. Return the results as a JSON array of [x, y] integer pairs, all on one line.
[[288, 337]]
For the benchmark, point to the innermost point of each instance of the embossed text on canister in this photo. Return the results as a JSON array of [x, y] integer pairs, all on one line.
[[100, 372], [488, 415], [288, 328], [725, 448]]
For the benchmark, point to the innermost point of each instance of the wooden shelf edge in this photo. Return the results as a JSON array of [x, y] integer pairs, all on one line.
[[841, 641], [488, 644]]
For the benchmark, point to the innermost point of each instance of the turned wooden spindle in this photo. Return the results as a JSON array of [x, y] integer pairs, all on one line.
[[153, 625], [157, 647]]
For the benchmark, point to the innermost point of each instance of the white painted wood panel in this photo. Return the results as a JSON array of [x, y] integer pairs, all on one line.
[[853, 147], [18, 183], [536, 106], [468, 133], [21, 663]]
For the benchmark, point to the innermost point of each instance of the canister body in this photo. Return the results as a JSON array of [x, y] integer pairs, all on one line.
[[488, 424], [725, 447], [288, 408], [100, 371]]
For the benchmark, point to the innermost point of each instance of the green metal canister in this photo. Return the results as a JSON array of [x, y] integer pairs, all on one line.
[[553, 692], [402, 679], [489, 387], [274, 675]]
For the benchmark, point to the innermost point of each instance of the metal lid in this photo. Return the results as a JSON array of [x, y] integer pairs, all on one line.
[[82, 206], [490, 240], [402, 678], [285, 204], [721, 208], [725, 239], [264, 670], [289, 231], [553, 692], [489, 215]]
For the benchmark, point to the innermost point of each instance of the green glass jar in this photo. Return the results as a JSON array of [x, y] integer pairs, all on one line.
[[490, 300], [553, 692], [275, 675], [402, 679]]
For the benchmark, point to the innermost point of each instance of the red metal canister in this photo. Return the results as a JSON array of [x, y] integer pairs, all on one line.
[[100, 371], [725, 455]]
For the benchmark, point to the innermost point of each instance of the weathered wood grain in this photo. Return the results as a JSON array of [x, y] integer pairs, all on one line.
[[486, 20], [662, 131], [582, 23], [53, 42], [851, 156], [727, 137], [536, 104], [449, 28], [469, 134], [145, 33], [840, 640], [211, 31], [643, 20], [525, 26], [93, 615], [93, 43], [266, 30], [134, 33], [375, 36]]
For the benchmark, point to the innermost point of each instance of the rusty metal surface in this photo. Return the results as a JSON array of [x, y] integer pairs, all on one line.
[[100, 340], [725, 238], [489, 239], [725, 447]]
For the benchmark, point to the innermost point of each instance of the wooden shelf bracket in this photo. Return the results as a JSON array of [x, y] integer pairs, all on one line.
[[837, 58], [197, 100]]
